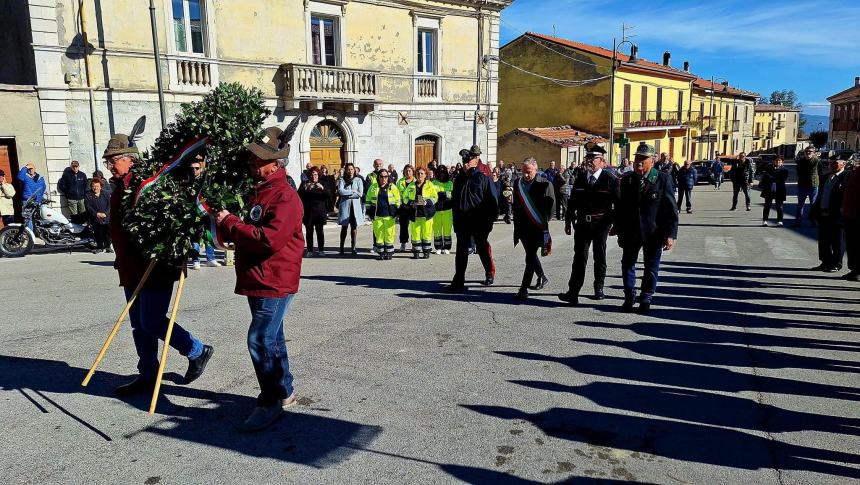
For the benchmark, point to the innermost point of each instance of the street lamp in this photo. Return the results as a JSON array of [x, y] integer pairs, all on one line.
[[615, 65], [711, 128]]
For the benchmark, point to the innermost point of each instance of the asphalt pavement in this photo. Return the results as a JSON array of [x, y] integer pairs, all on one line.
[[746, 371]]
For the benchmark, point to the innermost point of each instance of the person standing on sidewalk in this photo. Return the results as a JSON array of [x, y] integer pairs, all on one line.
[[198, 166], [443, 221], [98, 207], [534, 198], [741, 175], [420, 197], [7, 193], [687, 180], [350, 208], [314, 200], [269, 250], [718, 171], [148, 314], [827, 212], [773, 190], [809, 170], [590, 215], [851, 219], [402, 212], [73, 186], [647, 222], [383, 199]]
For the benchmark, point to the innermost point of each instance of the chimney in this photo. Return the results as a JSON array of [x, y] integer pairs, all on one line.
[[686, 66], [857, 80], [666, 56], [634, 51]]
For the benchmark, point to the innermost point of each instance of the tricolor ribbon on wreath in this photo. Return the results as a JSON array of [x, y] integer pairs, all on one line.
[[187, 153], [212, 236]]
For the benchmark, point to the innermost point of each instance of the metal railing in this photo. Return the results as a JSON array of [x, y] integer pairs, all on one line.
[[655, 119], [846, 125], [309, 81]]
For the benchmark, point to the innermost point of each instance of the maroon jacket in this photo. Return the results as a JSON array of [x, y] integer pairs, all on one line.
[[851, 197], [269, 244], [130, 262]]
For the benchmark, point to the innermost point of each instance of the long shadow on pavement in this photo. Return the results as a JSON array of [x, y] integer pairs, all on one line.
[[688, 442], [298, 437]]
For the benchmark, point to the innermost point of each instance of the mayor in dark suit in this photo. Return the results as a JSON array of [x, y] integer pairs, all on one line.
[[590, 213], [646, 221]]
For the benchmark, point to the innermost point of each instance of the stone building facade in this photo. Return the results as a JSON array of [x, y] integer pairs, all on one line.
[[406, 81], [845, 118]]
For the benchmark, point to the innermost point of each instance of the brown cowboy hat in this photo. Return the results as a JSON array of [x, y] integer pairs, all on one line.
[[273, 146], [119, 145]]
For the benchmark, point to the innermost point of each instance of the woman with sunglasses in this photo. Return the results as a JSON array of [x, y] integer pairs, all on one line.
[[383, 199], [421, 198]]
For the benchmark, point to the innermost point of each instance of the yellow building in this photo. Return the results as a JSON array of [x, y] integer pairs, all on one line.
[[727, 116], [776, 129], [406, 81], [573, 86]]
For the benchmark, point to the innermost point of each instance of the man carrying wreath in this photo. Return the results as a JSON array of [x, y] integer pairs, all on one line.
[[148, 315], [269, 249]]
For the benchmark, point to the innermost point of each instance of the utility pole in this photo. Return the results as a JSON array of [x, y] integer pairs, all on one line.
[[158, 81], [614, 67], [86, 43]]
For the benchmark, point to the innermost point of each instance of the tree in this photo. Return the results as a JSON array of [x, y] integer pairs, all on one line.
[[818, 138], [785, 97]]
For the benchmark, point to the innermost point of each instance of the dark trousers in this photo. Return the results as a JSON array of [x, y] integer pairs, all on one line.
[[309, 235], [148, 316], [831, 241], [101, 235], [586, 234], [852, 244], [736, 188], [404, 229], [533, 266], [560, 205], [505, 208], [776, 204], [268, 348], [687, 192], [652, 251], [482, 247]]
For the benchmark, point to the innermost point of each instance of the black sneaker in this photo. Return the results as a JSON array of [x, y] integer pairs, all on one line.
[[644, 308], [139, 385], [598, 294], [627, 306], [542, 281], [831, 269], [198, 365], [488, 281]]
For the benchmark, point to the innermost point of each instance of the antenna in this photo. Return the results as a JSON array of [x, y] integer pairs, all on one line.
[[553, 30], [627, 28]]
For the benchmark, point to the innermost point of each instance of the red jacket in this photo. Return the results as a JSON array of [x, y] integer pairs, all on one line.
[[130, 263], [269, 244]]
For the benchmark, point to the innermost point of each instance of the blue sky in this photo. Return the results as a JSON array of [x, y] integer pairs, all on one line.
[[758, 45]]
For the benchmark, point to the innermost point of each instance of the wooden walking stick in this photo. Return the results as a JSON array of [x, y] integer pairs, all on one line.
[[166, 345], [118, 323]]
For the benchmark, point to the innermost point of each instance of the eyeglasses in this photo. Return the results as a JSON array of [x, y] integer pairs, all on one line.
[[109, 162], [383, 176], [196, 168]]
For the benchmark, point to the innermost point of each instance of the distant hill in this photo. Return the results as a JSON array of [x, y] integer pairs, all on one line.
[[813, 120]]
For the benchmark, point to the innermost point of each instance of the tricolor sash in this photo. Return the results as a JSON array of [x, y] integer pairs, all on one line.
[[189, 151], [536, 217]]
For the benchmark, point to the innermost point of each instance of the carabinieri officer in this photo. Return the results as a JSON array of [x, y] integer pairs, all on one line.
[[647, 220], [590, 213]]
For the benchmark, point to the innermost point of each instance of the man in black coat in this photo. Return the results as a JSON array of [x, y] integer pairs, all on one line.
[[741, 175], [647, 221], [827, 211], [534, 198], [475, 208], [73, 185], [590, 213]]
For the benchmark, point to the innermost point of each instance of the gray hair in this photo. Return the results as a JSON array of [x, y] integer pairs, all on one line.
[[530, 161], [283, 162]]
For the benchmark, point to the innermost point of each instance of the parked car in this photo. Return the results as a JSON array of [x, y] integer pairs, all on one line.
[[703, 170], [764, 160]]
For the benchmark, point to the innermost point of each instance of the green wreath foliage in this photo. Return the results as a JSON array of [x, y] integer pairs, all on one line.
[[165, 221]]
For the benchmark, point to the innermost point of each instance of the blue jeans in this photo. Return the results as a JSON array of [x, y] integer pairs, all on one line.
[[652, 251], [802, 194], [268, 348], [149, 320], [210, 251]]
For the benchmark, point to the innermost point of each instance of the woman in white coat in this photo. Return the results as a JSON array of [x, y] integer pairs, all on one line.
[[350, 215]]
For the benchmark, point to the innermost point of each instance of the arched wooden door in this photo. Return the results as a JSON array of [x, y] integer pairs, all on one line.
[[327, 146], [426, 148]]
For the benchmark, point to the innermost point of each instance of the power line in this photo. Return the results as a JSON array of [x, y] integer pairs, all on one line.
[[545, 46], [560, 82]]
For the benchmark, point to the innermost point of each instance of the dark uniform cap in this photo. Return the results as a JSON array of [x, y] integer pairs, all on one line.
[[840, 155], [475, 150], [593, 150], [464, 153], [645, 150], [119, 145]]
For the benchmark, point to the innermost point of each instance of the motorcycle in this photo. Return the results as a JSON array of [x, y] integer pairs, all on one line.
[[49, 225]]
